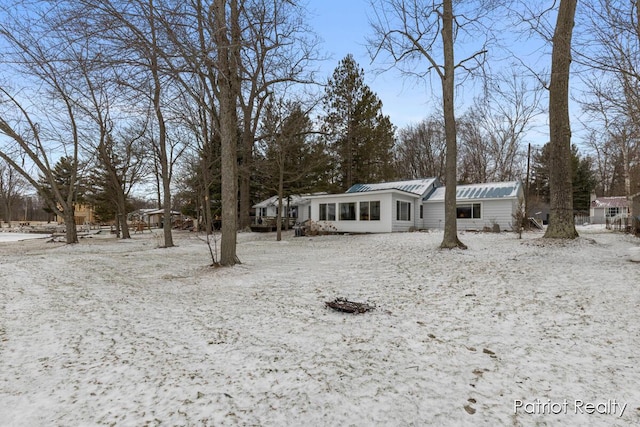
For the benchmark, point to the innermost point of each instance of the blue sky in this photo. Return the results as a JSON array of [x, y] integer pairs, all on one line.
[[344, 26]]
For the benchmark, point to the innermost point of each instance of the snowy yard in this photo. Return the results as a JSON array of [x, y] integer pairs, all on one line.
[[124, 333]]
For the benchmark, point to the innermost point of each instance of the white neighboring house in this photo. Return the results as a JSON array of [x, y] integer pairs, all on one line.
[[299, 206], [605, 210], [373, 208], [478, 206]]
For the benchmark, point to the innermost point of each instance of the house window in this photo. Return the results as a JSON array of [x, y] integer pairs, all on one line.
[[611, 212], [470, 210], [421, 211], [370, 211], [327, 212], [403, 211], [374, 207], [347, 211], [263, 212]]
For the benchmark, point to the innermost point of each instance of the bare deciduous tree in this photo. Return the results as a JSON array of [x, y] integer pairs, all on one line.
[[227, 37], [136, 48], [414, 31], [420, 150], [12, 185], [47, 129], [561, 222], [610, 49], [278, 51], [492, 131]]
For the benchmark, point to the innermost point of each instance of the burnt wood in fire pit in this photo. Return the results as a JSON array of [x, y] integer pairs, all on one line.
[[341, 304]]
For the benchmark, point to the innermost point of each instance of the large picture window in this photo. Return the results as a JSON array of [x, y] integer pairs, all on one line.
[[327, 212], [403, 211], [370, 211], [347, 211], [469, 210]]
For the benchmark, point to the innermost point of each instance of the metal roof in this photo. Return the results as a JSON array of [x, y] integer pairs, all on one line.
[[490, 190], [294, 200], [610, 202], [417, 186]]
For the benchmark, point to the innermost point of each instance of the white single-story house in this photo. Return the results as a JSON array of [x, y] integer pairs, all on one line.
[[299, 208], [406, 205], [605, 210]]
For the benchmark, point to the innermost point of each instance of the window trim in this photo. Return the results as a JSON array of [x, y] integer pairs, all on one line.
[[616, 209], [346, 215], [472, 206], [399, 210], [372, 214], [328, 215]]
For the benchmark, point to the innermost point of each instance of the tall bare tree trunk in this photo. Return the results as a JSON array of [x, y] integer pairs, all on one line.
[[561, 222], [163, 157], [228, 87], [450, 239], [245, 178], [280, 196]]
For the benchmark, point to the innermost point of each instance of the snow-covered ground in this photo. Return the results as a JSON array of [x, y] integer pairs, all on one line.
[[125, 333], [8, 236]]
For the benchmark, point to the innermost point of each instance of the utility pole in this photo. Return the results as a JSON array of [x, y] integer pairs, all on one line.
[[526, 186]]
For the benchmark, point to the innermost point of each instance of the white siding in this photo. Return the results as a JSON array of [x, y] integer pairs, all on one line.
[[492, 212], [598, 216], [357, 226], [498, 212], [433, 216], [415, 212], [303, 212]]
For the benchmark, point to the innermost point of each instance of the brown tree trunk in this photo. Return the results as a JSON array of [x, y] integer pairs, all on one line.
[[122, 214], [561, 222], [245, 179], [228, 86], [450, 239], [163, 157], [117, 224], [280, 195], [71, 234]]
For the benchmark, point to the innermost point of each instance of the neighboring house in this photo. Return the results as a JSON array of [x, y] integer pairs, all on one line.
[[299, 208], [152, 217], [83, 214], [606, 210], [479, 206]]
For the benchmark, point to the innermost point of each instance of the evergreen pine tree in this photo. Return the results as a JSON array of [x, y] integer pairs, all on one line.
[[361, 138], [582, 177]]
